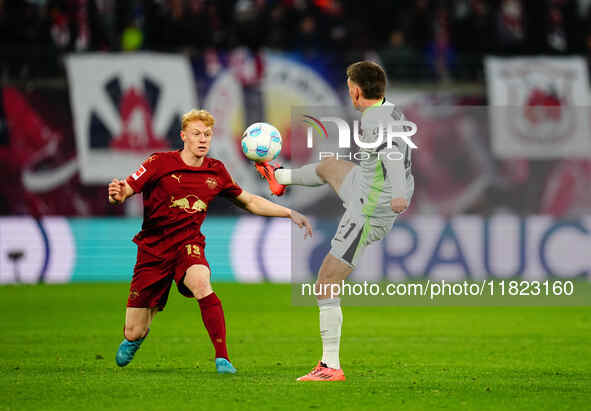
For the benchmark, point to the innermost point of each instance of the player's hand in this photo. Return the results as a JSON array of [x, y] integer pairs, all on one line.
[[116, 191], [399, 204], [301, 221]]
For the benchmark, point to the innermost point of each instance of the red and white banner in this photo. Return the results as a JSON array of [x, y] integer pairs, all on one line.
[[539, 107], [126, 107]]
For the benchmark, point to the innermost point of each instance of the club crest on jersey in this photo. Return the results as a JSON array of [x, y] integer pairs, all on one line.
[[211, 183], [189, 204], [139, 172]]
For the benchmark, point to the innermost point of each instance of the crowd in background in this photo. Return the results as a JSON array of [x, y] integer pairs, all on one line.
[[441, 35], [416, 40]]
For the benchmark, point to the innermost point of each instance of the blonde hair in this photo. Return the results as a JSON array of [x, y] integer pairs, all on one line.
[[198, 115]]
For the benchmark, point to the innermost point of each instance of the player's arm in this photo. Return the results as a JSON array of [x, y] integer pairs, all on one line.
[[119, 191], [394, 165], [260, 206]]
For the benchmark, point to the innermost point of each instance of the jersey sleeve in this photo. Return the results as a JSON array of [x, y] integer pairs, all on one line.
[[145, 174], [394, 159], [393, 162], [229, 187]]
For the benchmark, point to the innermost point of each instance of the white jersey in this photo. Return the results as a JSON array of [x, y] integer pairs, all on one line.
[[386, 172]]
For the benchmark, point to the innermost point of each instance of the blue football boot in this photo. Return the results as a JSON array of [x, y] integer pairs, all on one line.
[[224, 366], [127, 350]]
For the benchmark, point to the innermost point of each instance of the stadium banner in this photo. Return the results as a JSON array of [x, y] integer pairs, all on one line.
[[255, 249], [126, 106], [455, 163], [538, 107], [460, 248]]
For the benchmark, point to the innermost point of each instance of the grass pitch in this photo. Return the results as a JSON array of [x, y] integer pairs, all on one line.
[[58, 342]]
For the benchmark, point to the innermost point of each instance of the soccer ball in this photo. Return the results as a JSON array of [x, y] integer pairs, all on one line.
[[261, 142]]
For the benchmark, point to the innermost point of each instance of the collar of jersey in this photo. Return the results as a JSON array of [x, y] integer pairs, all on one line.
[[190, 167], [379, 103]]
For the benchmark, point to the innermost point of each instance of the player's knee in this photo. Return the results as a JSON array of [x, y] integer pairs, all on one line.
[[135, 331], [329, 277], [326, 164], [197, 281], [326, 279], [200, 287]]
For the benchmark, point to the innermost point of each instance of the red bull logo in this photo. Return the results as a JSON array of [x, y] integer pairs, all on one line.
[[190, 204]]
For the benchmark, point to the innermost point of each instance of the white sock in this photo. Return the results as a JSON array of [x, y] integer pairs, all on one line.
[[305, 176], [331, 320]]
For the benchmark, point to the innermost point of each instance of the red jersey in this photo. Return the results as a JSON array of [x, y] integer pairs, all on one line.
[[176, 197]]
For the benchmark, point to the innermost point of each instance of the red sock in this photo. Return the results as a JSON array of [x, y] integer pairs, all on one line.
[[213, 319]]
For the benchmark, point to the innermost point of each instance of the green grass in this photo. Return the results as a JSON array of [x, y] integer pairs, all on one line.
[[58, 342]]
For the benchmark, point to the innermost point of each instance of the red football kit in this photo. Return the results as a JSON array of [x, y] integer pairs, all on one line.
[[176, 197]]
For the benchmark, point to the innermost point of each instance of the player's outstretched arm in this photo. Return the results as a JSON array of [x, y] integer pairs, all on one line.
[[119, 191], [260, 206], [396, 175]]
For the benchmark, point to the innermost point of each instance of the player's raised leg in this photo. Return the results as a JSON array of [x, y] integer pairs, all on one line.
[[332, 271], [137, 327], [329, 170], [197, 279], [334, 171]]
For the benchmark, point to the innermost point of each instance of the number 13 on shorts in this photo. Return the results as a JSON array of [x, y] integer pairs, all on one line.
[[193, 250]]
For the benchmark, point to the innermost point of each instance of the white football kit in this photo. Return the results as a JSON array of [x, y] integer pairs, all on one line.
[[382, 174]]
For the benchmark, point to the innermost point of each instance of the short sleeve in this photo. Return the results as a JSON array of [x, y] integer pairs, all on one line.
[[145, 174], [229, 186]]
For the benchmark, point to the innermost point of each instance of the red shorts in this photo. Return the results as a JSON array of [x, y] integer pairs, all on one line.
[[152, 276]]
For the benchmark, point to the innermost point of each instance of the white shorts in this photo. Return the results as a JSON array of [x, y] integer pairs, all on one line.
[[356, 231]]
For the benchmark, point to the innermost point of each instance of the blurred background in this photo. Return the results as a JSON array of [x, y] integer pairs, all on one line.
[[499, 90]]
